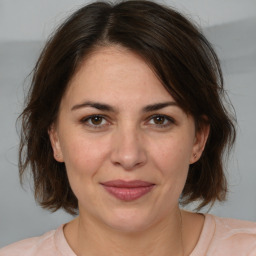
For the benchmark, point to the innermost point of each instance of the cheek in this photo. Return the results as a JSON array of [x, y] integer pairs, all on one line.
[[173, 152], [84, 156], [172, 157]]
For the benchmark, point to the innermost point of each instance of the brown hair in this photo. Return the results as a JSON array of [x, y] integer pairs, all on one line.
[[180, 56]]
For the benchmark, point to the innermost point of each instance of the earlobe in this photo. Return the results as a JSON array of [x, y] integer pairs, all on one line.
[[200, 141], [55, 143]]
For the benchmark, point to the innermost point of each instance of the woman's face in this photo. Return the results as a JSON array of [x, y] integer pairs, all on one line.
[[125, 142]]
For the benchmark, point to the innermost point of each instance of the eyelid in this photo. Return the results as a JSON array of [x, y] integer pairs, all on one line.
[[85, 120], [168, 118]]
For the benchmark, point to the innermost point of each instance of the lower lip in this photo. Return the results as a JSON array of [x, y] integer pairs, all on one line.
[[128, 194]]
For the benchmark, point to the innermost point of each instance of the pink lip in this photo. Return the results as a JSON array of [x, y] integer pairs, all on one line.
[[128, 190]]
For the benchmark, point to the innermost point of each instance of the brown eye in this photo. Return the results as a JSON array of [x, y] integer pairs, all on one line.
[[159, 119], [96, 120]]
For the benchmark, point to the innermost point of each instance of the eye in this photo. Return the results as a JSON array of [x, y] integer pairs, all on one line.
[[161, 121], [95, 121]]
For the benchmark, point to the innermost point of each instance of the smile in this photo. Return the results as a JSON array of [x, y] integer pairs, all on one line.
[[127, 190]]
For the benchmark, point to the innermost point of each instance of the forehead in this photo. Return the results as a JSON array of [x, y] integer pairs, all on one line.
[[113, 73]]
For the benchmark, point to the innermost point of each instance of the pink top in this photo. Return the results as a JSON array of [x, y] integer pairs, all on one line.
[[219, 237]]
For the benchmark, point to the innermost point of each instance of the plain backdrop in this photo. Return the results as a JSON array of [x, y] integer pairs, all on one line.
[[24, 26]]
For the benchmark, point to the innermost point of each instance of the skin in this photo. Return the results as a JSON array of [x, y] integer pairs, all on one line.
[[126, 141]]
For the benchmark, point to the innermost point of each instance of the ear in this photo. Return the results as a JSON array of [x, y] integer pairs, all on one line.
[[201, 137], [54, 138]]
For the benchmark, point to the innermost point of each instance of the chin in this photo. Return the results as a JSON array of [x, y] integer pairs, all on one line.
[[129, 221]]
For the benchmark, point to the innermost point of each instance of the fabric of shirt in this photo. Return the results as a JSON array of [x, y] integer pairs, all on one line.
[[219, 237]]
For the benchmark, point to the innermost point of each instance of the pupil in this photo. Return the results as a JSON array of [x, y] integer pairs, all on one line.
[[159, 120], [97, 120]]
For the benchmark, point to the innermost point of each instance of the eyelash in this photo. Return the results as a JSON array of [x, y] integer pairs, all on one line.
[[88, 118], [100, 126], [167, 118]]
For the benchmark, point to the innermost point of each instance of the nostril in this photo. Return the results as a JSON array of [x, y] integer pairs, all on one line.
[[128, 151], [129, 162]]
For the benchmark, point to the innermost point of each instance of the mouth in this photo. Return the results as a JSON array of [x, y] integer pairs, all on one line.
[[127, 190]]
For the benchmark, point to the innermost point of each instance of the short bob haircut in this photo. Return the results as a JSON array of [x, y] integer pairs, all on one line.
[[182, 59]]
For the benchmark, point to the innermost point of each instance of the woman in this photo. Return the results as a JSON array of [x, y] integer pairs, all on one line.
[[125, 121]]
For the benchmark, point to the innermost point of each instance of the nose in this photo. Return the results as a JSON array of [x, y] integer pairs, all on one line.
[[128, 149]]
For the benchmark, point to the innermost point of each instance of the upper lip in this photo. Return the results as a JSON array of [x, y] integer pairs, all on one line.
[[127, 184]]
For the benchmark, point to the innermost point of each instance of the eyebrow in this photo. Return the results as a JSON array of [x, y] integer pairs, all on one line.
[[108, 108], [158, 106], [97, 105]]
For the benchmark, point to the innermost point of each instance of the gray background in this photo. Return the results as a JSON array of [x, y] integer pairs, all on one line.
[[24, 26]]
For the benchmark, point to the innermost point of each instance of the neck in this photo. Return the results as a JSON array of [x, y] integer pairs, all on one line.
[[87, 237]]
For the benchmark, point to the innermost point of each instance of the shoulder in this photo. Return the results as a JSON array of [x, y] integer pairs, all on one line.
[[35, 246], [233, 237]]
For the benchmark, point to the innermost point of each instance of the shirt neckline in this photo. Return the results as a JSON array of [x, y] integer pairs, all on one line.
[[201, 247], [61, 243], [206, 236]]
